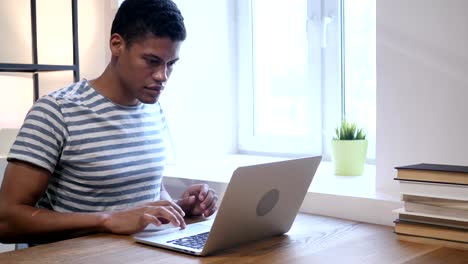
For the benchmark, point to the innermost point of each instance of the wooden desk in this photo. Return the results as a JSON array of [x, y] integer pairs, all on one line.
[[312, 239]]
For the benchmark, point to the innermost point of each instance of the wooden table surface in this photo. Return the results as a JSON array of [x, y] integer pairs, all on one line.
[[312, 239]]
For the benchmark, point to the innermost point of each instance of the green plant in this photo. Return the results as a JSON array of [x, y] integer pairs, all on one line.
[[349, 131]]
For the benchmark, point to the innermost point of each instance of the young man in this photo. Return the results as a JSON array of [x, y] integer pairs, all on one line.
[[89, 157]]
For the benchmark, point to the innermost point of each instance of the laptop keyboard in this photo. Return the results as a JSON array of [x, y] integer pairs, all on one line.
[[195, 241]]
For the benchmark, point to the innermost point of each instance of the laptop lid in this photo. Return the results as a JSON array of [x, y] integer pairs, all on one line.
[[260, 201]]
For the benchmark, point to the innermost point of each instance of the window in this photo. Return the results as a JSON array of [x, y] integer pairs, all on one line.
[[303, 66], [360, 66]]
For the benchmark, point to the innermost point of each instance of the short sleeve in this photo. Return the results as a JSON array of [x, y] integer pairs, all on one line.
[[42, 136]]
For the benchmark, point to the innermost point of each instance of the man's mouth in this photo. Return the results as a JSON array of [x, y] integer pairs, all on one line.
[[155, 88]]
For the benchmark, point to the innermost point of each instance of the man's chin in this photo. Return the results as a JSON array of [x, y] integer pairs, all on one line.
[[151, 100]]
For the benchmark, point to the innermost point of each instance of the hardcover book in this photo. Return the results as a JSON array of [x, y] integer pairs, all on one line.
[[433, 241], [436, 206], [424, 219], [430, 209], [433, 173], [431, 231], [434, 190]]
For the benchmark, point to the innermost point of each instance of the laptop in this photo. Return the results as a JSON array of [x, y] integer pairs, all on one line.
[[260, 201]]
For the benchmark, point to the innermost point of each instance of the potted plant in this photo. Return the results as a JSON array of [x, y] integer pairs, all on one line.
[[349, 149]]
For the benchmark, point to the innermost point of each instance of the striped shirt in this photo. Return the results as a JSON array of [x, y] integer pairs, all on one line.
[[101, 156]]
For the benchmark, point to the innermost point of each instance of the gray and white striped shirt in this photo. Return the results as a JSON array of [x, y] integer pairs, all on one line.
[[101, 156]]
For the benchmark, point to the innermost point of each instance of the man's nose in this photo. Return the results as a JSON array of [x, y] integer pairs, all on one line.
[[160, 74]]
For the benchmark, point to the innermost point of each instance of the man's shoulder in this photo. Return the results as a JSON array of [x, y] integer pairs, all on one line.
[[72, 92], [70, 96]]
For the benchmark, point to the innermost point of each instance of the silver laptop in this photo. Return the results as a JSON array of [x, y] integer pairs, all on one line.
[[260, 201]]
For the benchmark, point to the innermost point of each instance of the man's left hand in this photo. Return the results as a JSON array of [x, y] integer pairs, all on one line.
[[198, 199]]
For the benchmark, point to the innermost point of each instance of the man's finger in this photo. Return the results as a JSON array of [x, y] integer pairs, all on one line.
[[150, 219], [203, 192], [210, 211], [209, 204], [186, 201], [187, 204], [177, 207], [167, 212], [179, 217], [197, 211], [192, 190], [208, 199]]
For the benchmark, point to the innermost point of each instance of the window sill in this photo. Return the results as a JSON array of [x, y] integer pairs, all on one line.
[[348, 197]]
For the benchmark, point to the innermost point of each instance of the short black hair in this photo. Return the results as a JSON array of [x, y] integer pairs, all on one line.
[[136, 18]]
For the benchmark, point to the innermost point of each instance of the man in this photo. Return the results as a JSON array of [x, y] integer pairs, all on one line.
[[89, 157]]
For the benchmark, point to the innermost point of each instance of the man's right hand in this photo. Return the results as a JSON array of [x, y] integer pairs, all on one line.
[[136, 219]]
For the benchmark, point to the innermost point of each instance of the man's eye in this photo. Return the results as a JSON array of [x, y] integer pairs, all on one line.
[[151, 61]]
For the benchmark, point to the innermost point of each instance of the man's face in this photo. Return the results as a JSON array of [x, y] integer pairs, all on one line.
[[144, 67]]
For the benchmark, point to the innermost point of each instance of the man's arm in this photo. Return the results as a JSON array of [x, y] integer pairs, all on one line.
[[20, 221]]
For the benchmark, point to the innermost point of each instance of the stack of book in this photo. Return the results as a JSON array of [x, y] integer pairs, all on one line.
[[435, 199]]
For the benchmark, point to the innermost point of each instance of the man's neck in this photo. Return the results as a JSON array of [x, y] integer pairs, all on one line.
[[109, 86]]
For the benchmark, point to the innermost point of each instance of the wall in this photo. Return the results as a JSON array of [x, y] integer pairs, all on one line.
[[55, 47], [422, 64], [15, 47]]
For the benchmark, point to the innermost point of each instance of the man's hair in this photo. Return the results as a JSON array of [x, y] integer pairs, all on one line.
[[135, 19]]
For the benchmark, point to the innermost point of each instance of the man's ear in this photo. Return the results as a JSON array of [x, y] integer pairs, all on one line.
[[117, 44]]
